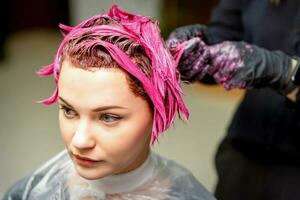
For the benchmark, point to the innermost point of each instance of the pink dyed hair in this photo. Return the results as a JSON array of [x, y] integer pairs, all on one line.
[[162, 86]]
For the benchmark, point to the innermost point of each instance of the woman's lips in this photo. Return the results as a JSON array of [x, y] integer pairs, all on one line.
[[85, 162]]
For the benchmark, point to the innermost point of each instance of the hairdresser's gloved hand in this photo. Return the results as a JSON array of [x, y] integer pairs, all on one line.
[[237, 65], [185, 33], [189, 35]]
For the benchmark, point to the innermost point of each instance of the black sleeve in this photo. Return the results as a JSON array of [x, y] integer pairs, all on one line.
[[226, 21]]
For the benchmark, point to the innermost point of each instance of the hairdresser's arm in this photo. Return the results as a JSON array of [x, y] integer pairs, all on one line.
[[241, 65], [226, 21]]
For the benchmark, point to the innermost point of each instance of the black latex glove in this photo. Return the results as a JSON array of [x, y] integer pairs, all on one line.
[[236, 65], [188, 32]]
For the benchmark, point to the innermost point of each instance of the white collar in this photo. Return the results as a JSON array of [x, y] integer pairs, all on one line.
[[128, 181]]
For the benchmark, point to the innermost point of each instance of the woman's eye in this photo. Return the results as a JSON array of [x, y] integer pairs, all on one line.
[[109, 118], [68, 112]]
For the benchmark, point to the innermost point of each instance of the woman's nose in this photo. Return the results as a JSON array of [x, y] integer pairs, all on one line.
[[82, 138]]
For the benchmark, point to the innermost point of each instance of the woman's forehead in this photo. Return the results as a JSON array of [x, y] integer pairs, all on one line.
[[102, 85]]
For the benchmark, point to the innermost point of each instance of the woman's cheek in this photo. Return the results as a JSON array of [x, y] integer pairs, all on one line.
[[66, 129]]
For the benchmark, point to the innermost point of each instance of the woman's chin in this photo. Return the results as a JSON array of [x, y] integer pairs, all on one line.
[[90, 174]]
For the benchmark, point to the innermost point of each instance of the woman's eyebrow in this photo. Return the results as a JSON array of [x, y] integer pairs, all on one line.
[[65, 102], [101, 108]]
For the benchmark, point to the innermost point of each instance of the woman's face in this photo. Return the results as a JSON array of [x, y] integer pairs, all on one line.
[[105, 126]]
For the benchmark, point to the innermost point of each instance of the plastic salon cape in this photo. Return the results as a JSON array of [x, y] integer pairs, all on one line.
[[156, 179]]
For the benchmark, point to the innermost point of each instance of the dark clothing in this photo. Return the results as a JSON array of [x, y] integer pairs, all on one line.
[[259, 158], [266, 124], [257, 22], [241, 178]]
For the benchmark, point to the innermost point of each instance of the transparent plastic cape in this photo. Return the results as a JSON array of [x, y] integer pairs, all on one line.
[[156, 179]]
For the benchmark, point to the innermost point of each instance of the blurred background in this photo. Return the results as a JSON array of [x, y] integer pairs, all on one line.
[[29, 133]]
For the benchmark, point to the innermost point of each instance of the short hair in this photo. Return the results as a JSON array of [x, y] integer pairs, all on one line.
[[83, 53], [133, 43]]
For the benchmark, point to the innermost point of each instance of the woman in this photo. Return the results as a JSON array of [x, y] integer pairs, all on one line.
[[117, 88]]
